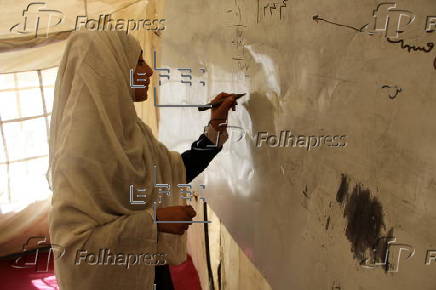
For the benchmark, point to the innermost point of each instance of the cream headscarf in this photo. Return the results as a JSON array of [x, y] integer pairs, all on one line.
[[98, 148]]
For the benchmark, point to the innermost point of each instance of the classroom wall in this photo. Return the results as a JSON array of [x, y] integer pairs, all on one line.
[[308, 216]]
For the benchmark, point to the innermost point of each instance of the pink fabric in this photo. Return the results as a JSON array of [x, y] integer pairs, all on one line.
[[185, 276]]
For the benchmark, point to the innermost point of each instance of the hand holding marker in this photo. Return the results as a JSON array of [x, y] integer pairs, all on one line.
[[220, 107], [217, 103]]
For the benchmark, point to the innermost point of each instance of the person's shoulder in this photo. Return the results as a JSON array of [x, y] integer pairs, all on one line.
[[81, 35]]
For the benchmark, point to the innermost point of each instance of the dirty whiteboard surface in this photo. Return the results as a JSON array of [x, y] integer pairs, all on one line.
[[353, 192]]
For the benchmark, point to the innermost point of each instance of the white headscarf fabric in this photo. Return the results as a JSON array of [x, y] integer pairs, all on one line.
[[98, 148]]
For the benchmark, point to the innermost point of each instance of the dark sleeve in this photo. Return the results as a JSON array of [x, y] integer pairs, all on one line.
[[199, 157]]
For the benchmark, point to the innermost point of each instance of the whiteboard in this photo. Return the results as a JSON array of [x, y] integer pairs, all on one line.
[[309, 215]]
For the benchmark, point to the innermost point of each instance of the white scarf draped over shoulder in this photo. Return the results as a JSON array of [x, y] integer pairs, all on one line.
[[98, 148]]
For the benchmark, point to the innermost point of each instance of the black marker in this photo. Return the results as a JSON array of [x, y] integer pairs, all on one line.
[[216, 104]]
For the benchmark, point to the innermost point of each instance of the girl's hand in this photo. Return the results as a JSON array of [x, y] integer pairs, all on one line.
[[219, 114], [174, 213]]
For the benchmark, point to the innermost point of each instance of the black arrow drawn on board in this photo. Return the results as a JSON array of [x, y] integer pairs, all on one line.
[[317, 19]]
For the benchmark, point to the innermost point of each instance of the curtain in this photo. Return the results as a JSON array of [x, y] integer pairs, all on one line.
[[27, 73]]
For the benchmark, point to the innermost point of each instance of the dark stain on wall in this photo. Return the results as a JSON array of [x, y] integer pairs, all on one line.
[[364, 214], [343, 189]]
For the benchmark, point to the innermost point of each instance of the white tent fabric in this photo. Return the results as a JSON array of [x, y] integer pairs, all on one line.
[[32, 58], [32, 33], [98, 148]]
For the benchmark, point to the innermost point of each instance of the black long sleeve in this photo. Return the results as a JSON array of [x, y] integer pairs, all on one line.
[[199, 156]]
